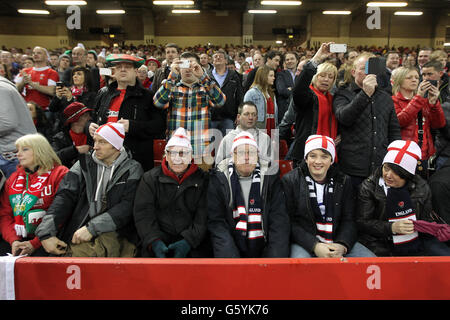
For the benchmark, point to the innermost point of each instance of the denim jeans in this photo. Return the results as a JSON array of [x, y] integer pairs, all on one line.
[[7, 166], [358, 250]]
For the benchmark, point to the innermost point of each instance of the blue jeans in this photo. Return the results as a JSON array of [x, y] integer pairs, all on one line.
[[7, 166], [223, 125], [358, 250]]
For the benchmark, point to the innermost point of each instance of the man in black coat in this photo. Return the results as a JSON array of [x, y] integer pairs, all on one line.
[[367, 123], [246, 219], [125, 101], [285, 83]]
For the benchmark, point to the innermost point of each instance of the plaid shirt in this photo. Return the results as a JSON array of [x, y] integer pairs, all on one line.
[[189, 107]]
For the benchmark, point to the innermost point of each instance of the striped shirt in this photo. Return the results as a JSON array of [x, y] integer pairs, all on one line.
[[189, 107]]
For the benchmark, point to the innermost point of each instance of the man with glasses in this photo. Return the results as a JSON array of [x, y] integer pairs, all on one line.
[[170, 205], [125, 101], [247, 215], [246, 120]]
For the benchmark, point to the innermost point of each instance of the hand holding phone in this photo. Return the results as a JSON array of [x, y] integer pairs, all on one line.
[[338, 47], [432, 83], [185, 64], [375, 66]]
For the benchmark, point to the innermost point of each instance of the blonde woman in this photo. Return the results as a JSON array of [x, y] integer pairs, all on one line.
[[261, 93], [313, 101], [27, 194], [413, 108]]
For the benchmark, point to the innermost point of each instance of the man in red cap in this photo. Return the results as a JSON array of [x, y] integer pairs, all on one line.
[[125, 101]]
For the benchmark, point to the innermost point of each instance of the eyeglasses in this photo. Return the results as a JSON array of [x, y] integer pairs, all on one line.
[[242, 153], [181, 154]]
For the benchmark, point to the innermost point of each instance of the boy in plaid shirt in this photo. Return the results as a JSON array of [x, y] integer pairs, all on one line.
[[188, 101]]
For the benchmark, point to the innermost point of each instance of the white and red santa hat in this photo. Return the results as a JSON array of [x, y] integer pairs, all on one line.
[[112, 132], [244, 138], [180, 138], [317, 141], [404, 154]]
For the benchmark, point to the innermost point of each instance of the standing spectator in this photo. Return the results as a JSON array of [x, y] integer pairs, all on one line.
[[54, 60], [79, 58], [91, 59], [272, 60], [284, 82], [230, 84], [313, 102], [384, 79], [125, 101], [417, 114], [189, 101], [12, 67], [204, 62], [247, 216], [15, 122], [321, 205], [172, 52], [367, 123], [390, 200], [423, 57], [63, 64], [92, 213], [433, 70], [170, 209], [263, 96], [142, 74], [28, 194], [38, 83]]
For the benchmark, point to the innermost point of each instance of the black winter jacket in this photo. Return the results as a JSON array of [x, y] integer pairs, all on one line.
[[146, 121], [367, 125], [303, 221], [222, 225], [169, 211], [232, 88], [374, 229], [306, 106]]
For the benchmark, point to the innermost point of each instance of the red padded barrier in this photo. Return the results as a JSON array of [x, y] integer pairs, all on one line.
[[232, 279]]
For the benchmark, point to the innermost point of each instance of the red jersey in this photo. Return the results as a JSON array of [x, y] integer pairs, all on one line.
[[45, 76]]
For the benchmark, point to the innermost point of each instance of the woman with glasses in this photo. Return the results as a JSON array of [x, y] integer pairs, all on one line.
[[170, 205]]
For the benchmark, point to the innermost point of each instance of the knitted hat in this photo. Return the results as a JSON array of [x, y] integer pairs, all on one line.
[[64, 55], [404, 154], [112, 132], [244, 138], [320, 142], [154, 60], [121, 57], [94, 53], [74, 111], [180, 138]]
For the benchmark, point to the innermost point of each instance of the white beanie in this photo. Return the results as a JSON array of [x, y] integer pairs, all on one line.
[[112, 132], [404, 154], [180, 138], [244, 138], [317, 141]]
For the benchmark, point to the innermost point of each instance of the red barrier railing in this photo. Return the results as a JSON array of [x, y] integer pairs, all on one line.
[[232, 279]]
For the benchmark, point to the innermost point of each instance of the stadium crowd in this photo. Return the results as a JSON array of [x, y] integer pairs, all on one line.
[[233, 151]]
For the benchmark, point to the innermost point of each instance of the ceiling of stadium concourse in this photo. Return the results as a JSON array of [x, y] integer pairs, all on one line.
[[9, 8]]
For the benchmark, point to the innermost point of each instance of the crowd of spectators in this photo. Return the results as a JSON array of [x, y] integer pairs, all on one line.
[[80, 126]]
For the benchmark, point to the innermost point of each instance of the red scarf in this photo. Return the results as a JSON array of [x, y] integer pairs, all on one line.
[[326, 124], [190, 171], [76, 92], [79, 139], [270, 116]]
